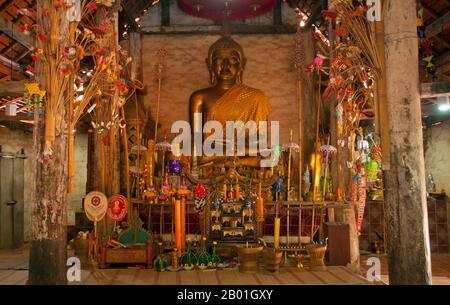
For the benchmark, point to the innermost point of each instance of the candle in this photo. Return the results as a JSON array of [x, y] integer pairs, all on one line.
[[225, 192], [183, 223], [237, 192], [276, 233], [260, 204], [178, 226]]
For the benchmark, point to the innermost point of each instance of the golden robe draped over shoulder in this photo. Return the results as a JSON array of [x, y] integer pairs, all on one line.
[[241, 103]]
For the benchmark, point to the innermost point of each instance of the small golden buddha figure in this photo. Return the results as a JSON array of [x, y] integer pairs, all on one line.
[[228, 99], [315, 167]]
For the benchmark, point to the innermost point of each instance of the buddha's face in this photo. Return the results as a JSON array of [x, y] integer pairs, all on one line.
[[226, 65]]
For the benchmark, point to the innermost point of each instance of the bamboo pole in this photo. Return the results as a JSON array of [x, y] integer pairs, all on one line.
[[288, 223], [315, 155], [381, 106], [127, 162], [301, 55], [111, 152]]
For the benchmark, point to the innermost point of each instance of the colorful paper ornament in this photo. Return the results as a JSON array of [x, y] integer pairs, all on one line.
[[34, 98], [117, 207], [26, 29], [199, 197], [95, 206]]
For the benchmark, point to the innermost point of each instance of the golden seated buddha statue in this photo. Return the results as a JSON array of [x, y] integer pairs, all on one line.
[[228, 99]]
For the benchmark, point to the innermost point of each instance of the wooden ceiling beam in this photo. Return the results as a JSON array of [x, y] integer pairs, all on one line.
[[444, 69], [430, 11], [11, 74], [5, 5], [442, 59], [10, 63], [439, 25], [13, 32], [443, 41], [12, 88]]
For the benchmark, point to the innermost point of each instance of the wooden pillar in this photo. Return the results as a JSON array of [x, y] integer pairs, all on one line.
[[277, 14], [48, 241], [165, 13], [340, 174], [408, 240]]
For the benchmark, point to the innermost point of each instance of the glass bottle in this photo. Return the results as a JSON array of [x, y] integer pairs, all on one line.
[[160, 263], [203, 258]]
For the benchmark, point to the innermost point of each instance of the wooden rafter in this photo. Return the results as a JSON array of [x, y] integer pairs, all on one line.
[[443, 59], [12, 88], [444, 69], [5, 5], [13, 32], [9, 73], [439, 25], [429, 90], [435, 15], [14, 65]]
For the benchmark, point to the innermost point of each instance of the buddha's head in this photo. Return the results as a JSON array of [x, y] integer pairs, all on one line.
[[226, 61]]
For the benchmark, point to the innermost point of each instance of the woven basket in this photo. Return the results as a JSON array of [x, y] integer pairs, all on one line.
[[316, 257]]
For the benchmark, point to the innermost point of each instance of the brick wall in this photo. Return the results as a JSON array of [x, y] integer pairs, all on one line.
[[437, 158], [269, 68]]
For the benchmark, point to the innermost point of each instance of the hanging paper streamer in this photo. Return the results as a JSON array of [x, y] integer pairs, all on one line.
[[359, 195], [34, 98], [425, 45]]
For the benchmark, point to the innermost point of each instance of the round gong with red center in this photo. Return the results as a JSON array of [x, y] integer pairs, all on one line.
[[232, 9]]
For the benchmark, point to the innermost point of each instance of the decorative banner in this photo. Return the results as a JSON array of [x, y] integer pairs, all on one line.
[[117, 207], [95, 206]]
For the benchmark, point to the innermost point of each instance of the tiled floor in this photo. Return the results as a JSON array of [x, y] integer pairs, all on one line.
[[440, 268], [286, 276], [14, 265]]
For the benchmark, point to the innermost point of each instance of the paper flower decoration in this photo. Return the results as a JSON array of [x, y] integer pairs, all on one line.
[[340, 31], [318, 61], [58, 4], [329, 14], [99, 31], [92, 6], [200, 190], [26, 29], [42, 37]]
